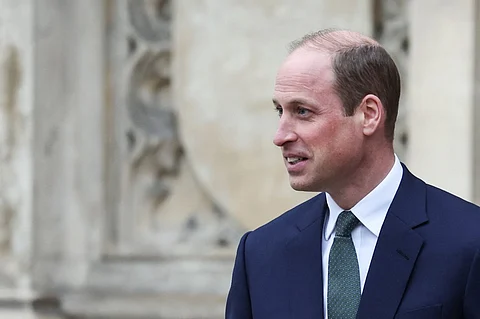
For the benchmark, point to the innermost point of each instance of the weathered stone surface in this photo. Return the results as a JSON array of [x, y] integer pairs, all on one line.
[[441, 91], [226, 57], [16, 122], [155, 205], [24, 314], [68, 146], [131, 306]]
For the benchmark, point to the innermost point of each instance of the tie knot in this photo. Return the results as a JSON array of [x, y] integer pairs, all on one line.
[[346, 222]]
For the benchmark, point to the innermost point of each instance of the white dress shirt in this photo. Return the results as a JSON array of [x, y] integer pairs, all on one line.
[[371, 212]]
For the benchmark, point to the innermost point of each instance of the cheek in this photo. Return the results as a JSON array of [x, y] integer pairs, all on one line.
[[340, 137], [331, 136], [334, 130], [322, 137]]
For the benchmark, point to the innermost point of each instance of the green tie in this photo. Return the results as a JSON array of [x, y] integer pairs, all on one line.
[[343, 274]]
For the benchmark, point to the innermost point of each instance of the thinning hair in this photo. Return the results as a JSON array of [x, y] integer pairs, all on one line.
[[361, 66]]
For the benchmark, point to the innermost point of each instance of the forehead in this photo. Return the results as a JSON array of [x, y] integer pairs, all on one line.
[[305, 69]]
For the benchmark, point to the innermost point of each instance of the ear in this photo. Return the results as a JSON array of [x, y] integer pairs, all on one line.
[[373, 114]]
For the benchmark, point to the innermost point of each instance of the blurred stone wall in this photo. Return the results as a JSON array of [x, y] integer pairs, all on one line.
[[136, 145]]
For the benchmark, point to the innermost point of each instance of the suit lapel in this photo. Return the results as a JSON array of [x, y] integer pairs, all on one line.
[[392, 263], [304, 259], [396, 251]]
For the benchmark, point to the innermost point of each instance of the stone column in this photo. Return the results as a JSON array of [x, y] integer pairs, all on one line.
[[68, 141], [441, 93], [18, 299], [16, 125]]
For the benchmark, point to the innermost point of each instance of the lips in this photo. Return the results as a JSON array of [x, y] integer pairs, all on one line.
[[292, 157], [296, 165], [295, 160]]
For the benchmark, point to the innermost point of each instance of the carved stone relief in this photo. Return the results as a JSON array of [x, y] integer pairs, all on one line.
[[164, 209]]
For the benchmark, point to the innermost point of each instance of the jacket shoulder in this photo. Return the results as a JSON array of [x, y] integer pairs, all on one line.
[[283, 227], [291, 216], [438, 197], [457, 218]]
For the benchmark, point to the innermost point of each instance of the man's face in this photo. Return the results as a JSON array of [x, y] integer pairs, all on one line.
[[321, 146]]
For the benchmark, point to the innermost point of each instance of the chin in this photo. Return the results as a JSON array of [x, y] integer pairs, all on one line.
[[307, 185], [302, 187]]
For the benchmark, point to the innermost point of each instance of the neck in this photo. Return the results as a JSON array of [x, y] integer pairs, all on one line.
[[371, 172]]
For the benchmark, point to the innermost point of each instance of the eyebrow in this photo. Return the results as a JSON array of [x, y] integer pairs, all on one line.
[[297, 101]]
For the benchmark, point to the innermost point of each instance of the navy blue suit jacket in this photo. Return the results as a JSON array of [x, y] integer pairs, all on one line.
[[426, 262]]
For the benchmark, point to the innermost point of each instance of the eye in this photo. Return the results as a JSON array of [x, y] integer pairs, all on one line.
[[301, 111], [278, 109]]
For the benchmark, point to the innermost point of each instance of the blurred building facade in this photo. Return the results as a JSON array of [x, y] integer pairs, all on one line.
[[135, 139]]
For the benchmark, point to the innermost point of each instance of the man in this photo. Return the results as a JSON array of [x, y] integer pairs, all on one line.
[[377, 242]]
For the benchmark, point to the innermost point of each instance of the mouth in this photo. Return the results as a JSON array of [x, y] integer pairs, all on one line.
[[295, 160], [295, 165]]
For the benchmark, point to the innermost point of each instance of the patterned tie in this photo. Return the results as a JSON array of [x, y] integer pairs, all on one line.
[[343, 274]]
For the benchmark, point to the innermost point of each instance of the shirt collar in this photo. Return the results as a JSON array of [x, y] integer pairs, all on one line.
[[372, 209]]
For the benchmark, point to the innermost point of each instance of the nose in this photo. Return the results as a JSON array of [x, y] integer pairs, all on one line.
[[284, 134]]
